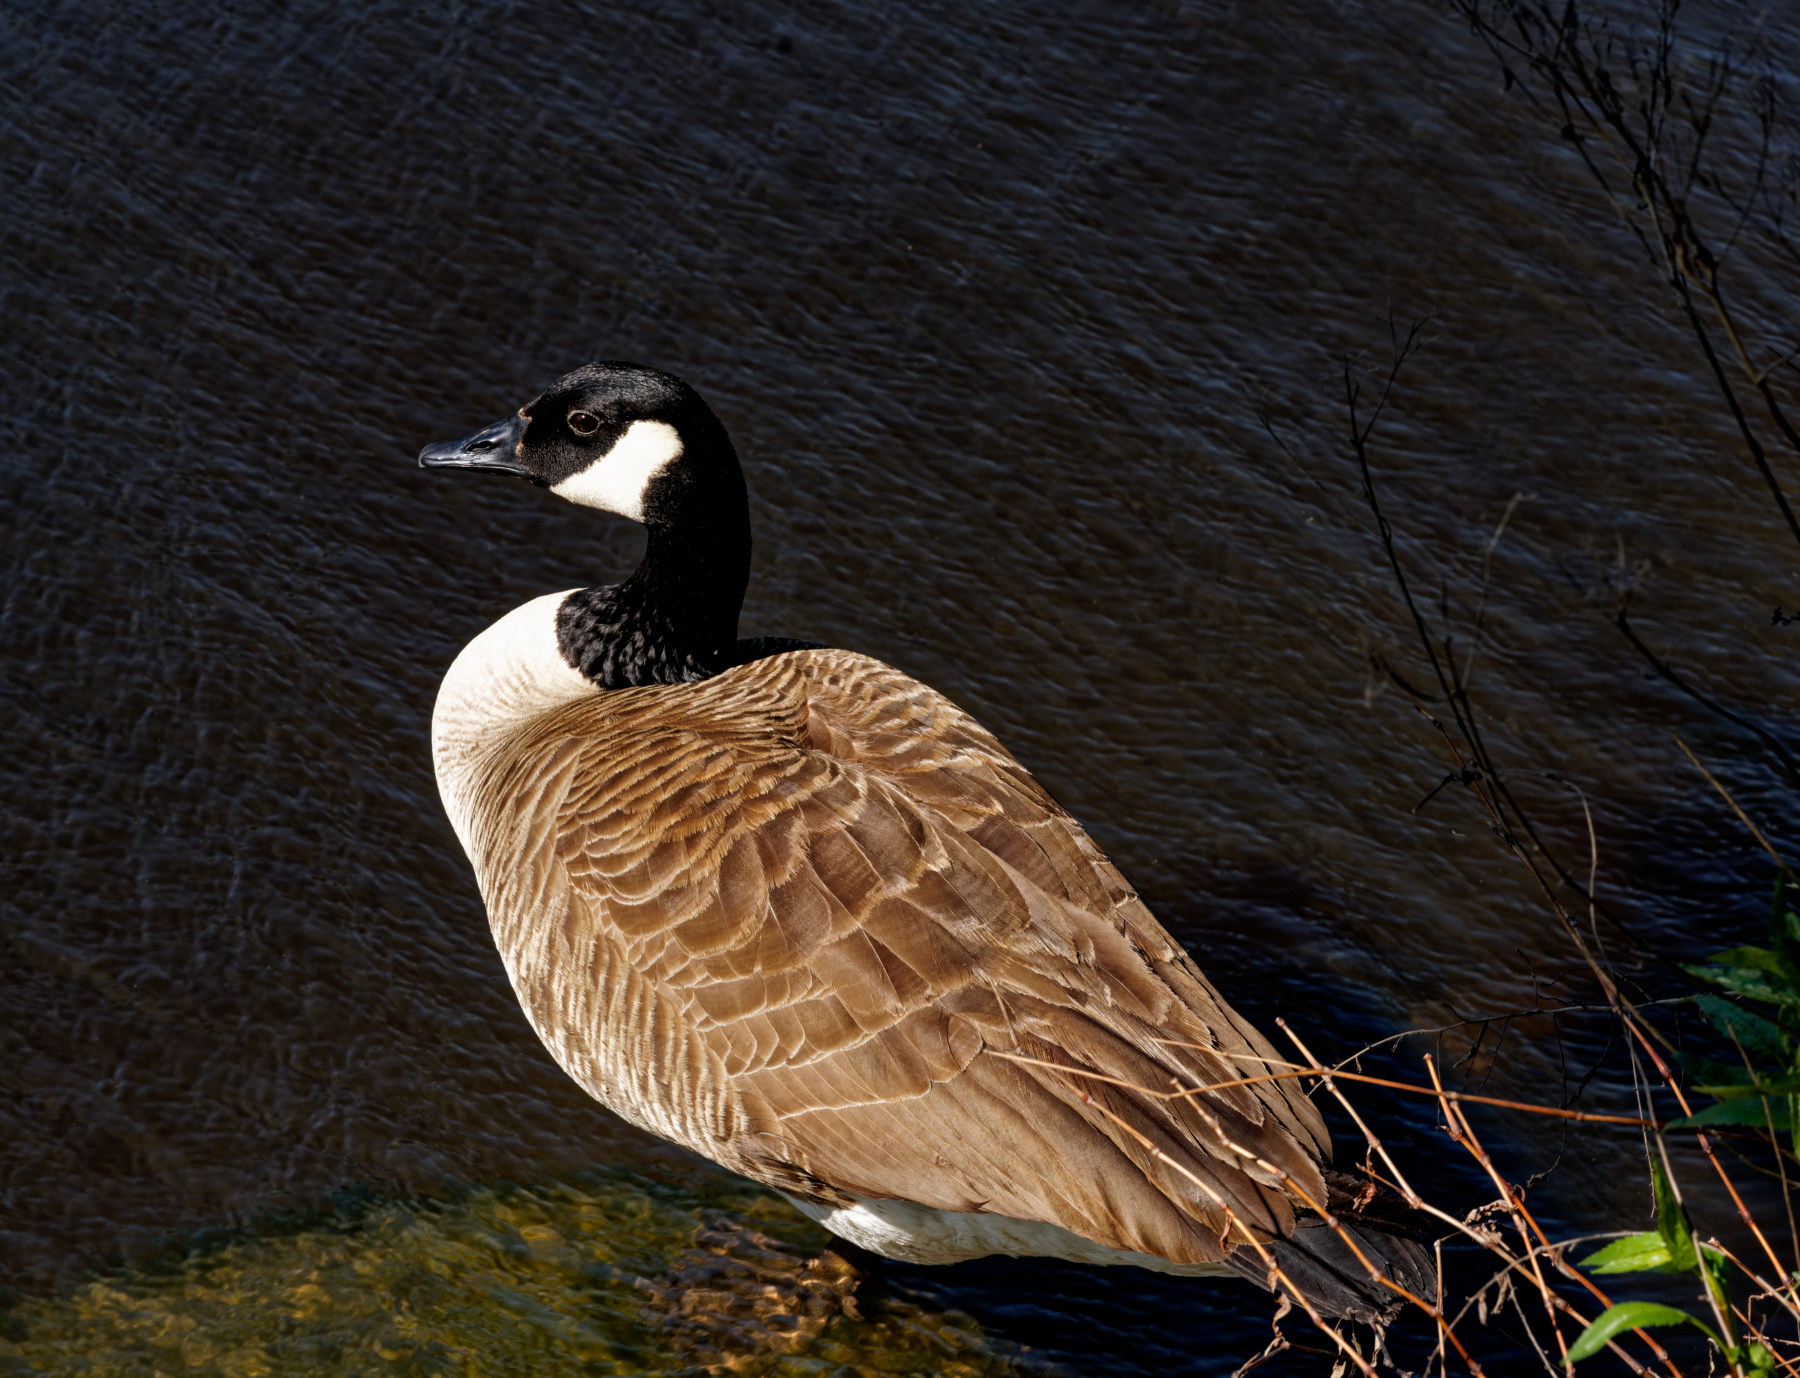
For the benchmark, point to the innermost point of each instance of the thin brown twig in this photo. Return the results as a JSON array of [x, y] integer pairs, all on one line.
[[1324, 1213], [1375, 1145], [1414, 1199], [1443, 1329], [1454, 1118], [1501, 1018], [1189, 1092], [1743, 817], [1787, 1298], [1783, 757], [1756, 1333], [1637, 1027], [1348, 1350]]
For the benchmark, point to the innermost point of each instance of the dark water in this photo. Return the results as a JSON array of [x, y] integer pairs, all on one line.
[[990, 297]]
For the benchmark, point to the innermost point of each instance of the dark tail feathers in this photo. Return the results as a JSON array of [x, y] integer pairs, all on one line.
[[1318, 1261]]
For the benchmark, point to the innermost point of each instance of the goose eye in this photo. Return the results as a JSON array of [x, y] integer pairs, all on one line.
[[583, 422]]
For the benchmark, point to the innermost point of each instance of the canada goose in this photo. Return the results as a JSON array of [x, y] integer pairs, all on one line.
[[796, 911]]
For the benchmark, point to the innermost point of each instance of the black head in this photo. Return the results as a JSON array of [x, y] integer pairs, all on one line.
[[616, 436]]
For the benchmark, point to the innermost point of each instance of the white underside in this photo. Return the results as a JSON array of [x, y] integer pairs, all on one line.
[[922, 1234]]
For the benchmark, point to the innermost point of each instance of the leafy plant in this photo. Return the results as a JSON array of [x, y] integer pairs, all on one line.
[[1669, 1248], [1763, 1091]]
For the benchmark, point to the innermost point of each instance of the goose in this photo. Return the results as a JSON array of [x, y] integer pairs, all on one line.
[[786, 906]]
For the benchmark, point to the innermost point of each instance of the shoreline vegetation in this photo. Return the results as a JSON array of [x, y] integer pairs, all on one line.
[[1689, 144]]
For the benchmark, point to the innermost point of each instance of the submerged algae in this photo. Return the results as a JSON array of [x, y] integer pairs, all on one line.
[[601, 1273]]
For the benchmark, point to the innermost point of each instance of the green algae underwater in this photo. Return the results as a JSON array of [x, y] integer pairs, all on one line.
[[606, 1272]]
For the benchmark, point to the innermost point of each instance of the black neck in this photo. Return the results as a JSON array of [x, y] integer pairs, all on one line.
[[675, 619]]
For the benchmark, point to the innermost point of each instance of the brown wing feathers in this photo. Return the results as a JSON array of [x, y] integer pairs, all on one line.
[[789, 915]]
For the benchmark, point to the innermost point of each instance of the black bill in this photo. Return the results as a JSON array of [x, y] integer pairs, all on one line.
[[493, 449]]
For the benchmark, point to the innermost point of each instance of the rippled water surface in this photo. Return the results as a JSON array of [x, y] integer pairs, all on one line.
[[990, 297]]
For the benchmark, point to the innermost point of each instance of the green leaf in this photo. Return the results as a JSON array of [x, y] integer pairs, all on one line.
[[1705, 1072], [1717, 1074], [1740, 1111], [1775, 1086], [1784, 930], [1703, 1069], [1756, 958], [1628, 1315], [1758, 1359], [1751, 983], [1638, 1253], [1672, 1221], [1756, 1034], [1718, 1273]]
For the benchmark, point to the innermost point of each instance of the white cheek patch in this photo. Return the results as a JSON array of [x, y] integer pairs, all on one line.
[[616, 481]]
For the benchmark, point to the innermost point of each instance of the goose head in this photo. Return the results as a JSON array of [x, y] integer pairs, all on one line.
[[616, 436], [631, 440]]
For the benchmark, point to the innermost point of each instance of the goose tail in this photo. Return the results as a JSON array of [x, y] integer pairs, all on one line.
[[1319, 1261]]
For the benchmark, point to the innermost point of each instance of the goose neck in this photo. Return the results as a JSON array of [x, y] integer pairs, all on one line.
[[674, 620]]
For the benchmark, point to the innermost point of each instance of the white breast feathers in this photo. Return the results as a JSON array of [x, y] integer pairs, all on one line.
[[510, 674]]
